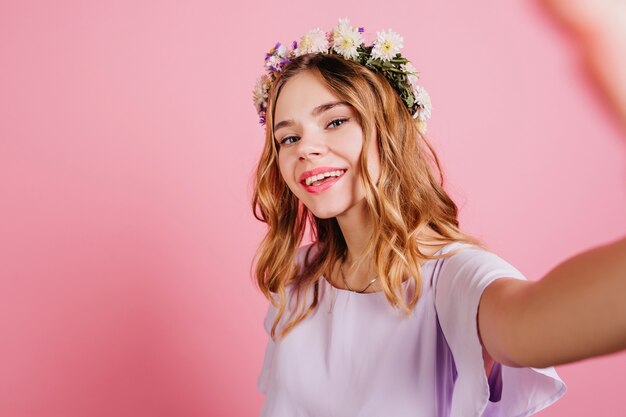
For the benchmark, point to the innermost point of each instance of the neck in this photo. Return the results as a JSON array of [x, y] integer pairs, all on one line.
[[356, 226]]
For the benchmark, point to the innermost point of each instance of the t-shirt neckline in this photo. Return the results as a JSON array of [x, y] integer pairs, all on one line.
[[374, 293]]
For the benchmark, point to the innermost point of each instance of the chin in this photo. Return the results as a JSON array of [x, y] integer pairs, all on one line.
[[324, 214], [327, 211]]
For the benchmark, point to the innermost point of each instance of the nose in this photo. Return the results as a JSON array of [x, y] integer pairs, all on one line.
[[311, 146]]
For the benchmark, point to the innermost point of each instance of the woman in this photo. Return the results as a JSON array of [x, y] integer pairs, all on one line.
[[393, 310]]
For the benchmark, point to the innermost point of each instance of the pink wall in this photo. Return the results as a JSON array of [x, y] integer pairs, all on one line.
[[127, 140]]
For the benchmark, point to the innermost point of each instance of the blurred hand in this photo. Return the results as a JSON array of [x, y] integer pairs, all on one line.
[[600, 28]]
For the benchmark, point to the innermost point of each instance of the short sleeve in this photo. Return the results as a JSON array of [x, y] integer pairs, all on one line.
[[458, 286]]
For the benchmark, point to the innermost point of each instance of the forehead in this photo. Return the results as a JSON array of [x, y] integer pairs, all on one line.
[[300, 94]]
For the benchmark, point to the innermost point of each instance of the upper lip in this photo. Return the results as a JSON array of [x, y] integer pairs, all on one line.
[[317, 171]]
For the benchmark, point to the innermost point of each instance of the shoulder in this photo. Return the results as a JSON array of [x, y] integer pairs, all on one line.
[[463, 277], [303, 257], [306, 253], [468, 261]]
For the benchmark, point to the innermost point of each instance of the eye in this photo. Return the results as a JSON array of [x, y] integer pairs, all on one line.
[[337, 122], [288, 140]]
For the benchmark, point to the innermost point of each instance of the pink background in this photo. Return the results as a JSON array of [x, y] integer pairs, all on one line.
[[127, 142]]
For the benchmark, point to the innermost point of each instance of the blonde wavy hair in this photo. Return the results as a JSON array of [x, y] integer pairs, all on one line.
[[406, 200]]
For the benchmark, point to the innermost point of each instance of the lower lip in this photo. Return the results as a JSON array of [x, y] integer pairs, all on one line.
[[323, 187]]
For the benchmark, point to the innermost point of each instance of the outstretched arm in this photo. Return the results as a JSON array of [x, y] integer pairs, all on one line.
[[578, 310]]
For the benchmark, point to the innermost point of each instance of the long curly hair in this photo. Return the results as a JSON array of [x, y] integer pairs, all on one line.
[[405, 202]]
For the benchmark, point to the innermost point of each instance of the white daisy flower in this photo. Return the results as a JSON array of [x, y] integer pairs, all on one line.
[[387, 45], [313, 41], [342, 25], [424, 105], [346, 39], [412, 74]]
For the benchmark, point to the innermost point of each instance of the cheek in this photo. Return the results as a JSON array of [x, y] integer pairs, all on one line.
[[350, 150]]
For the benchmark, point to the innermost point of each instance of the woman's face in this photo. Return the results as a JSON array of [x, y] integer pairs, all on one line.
[[320, 142]]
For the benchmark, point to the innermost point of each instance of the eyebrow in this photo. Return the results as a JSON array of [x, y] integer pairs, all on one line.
[[315, 112]]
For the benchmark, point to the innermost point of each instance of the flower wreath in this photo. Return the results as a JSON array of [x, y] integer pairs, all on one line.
[[383, 56]]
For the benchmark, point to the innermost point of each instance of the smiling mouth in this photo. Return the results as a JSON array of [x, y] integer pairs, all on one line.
[[317, 184], [317, 180]]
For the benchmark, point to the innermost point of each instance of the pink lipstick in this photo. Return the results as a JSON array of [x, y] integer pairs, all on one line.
[[327, 181]]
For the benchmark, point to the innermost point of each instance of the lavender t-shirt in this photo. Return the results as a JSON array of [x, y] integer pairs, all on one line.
[[355, 356]]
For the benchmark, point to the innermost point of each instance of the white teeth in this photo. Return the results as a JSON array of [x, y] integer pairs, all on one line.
[[318, 177]]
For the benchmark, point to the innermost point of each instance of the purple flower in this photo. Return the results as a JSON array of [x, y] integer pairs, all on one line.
[[272, 51]]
